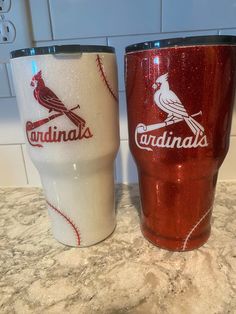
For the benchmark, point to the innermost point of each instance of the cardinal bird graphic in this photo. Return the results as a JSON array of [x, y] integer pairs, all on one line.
[[49, 100], [168, 101]]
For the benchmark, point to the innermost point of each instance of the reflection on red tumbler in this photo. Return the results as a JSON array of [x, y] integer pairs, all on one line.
[[180, 103]]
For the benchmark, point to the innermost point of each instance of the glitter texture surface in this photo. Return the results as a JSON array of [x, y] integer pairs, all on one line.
[[180, 103]]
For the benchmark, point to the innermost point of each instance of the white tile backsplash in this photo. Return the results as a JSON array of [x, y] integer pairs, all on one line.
[[11, 131], [4, 83], [40, 19], [74, 19], [31, 172], [233, 127], [116, 23], [10, 79], [126, 170], [12, 169], [227, 32], [228, 168], [185, 15], [123, 116]]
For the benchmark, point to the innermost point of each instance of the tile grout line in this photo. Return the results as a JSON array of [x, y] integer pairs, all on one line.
[[161, 15], [11, 144], [9, 97], [26, 174], [71, 38], [138, 34], [50, 19], [8, 80]]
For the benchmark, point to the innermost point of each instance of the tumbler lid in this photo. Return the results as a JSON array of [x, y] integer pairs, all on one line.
[[183, 41], [60, 49]]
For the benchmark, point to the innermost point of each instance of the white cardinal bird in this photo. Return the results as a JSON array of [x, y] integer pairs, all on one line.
[[167, 101]]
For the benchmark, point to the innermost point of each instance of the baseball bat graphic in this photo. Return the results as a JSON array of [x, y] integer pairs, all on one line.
[[142, 128], [33, 125]]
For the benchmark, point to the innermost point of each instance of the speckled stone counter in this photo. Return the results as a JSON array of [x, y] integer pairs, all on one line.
[[123, 274]]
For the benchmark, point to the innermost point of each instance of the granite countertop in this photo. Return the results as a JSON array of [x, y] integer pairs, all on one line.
[[123, 274]]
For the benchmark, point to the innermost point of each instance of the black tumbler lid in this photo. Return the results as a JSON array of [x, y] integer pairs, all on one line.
[[183, 41], [60, 50]]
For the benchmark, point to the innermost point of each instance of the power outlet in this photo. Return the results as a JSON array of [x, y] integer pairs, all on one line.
[[5, 6], [15, 30], [7, 32]]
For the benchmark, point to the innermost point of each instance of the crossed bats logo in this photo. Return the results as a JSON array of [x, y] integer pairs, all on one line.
[[166, 100], [169, 102], [48, 99]]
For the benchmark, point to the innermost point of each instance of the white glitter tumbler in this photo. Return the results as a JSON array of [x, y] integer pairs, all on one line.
[[68, 101]]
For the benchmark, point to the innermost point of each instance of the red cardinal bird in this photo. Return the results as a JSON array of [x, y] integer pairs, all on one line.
[[49, 100]]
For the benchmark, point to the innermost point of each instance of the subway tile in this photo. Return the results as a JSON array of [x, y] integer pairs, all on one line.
[[105, 18], [121, 42], [123, 116], [12, 169], [11, 131], [228, 168], [126, 171], [41, 25], [4, 84], [188, 15], [228, 31], [31, 171], [81, 41], [233, 127], [10, 79]]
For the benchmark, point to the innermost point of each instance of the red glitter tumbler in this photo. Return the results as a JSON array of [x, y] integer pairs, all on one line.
[[180, 95]]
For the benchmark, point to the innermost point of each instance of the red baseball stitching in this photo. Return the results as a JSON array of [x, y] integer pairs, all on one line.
[[101, 70], [68, 220]]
